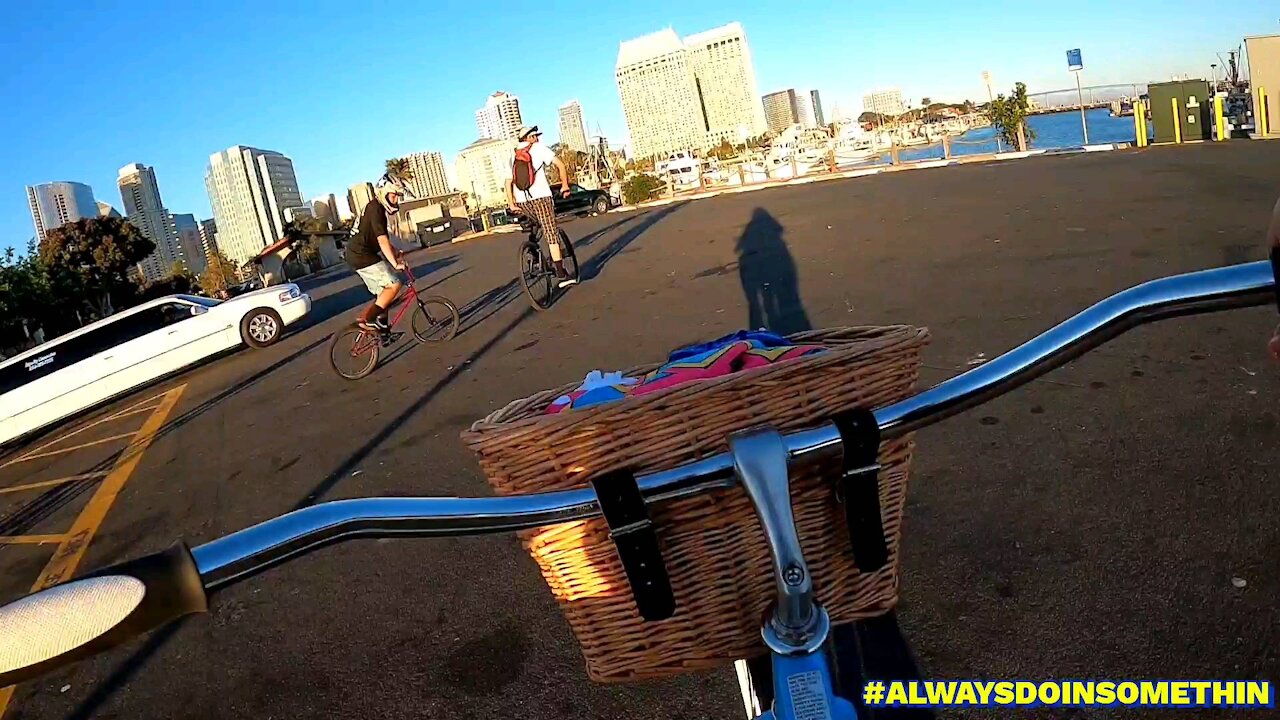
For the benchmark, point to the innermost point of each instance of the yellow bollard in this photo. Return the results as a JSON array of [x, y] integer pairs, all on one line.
[[1219, 117], [1140, 123], [1177, 121]]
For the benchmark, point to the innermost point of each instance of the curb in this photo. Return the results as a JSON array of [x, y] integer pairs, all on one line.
[[866, 172]]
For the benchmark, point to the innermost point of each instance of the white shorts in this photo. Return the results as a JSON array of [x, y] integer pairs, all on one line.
[[378, 276]]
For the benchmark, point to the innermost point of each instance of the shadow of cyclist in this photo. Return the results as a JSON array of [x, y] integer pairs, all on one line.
[[768, 275]]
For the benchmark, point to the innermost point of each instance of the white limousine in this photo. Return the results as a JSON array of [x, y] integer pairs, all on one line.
[[81, 369]]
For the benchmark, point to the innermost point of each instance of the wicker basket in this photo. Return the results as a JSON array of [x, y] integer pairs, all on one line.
[[712, 543]]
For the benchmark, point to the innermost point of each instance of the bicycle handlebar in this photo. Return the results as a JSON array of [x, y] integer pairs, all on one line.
[[108, 607]]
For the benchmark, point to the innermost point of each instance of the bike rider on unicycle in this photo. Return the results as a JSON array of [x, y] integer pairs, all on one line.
[[379, 275], [529, 192]]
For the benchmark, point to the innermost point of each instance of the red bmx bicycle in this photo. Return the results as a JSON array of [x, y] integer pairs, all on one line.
[[354, 351]]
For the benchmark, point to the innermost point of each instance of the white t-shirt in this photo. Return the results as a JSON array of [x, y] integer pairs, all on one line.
[[543, 158]]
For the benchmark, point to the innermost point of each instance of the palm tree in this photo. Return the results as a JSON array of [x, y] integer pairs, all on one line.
[[399, 168]]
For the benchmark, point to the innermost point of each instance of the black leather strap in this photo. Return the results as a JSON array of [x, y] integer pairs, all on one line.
[[637, 544], [859, 488]]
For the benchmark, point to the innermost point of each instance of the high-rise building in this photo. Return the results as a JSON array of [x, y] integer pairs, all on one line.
[[726, 82], [358, 196], [781, 110], [659, 95], [804, 109], [500, 116], [483, 168], [678, 95], [57, 203], [884, 102], [209, 237], [428, 174], [819, 117], [325, 207], [193, 255], [573, 131], [249, 190], [140, 196]]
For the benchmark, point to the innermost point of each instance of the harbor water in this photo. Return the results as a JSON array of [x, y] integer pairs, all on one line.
[[1052, 131]]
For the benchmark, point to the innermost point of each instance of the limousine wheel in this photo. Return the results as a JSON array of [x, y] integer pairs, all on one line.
[[261, 327]]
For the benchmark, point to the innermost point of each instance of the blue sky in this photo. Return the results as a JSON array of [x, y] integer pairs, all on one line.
[[341, 86]]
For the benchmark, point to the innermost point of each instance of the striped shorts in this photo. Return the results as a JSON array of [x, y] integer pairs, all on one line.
[[543, 212]]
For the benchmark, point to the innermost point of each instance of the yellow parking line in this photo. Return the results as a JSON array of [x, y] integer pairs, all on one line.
[[49, 483], [31, 539], [73, 448], [131, 410], [72, 548]]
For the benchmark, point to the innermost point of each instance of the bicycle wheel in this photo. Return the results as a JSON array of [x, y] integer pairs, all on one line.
[[538, 280], [354, 352], [569, 256], [435, 319]]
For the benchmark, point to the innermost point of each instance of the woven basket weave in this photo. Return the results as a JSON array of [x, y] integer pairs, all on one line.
[[712, 543]]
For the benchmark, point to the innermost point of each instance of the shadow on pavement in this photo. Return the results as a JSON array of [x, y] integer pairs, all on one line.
[[768, 275], [592, 267]]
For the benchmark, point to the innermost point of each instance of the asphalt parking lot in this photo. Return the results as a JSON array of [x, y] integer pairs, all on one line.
[[1089, 525]]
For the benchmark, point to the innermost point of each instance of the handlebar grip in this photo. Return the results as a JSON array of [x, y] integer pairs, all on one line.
[[69, 622]]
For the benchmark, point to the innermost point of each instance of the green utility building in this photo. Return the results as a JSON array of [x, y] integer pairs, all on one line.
[[1194, 110]]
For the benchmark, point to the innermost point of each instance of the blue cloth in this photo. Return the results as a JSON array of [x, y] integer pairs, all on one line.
[[764, 337]]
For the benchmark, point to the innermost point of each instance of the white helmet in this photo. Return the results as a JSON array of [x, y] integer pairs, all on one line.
[[386, 188]]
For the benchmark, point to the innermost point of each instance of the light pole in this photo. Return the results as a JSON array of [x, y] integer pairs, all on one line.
[[991, 100], [1213, 77]]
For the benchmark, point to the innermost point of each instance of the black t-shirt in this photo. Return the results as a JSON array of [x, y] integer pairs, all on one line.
[[363, 249]]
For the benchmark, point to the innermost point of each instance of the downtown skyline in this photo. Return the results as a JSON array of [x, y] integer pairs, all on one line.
[[366, 121]]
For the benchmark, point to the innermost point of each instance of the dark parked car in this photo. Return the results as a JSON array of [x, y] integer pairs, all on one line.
[[581, 201]]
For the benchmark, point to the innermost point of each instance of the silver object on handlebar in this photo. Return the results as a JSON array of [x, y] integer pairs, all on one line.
[[760, 464], [245, 552]]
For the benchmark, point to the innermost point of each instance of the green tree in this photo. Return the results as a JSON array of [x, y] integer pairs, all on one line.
[[26, 294], [220, 274], [574, 161], [92, 259], [723, 151], [640, 187], [399, 168], [1009, 117]]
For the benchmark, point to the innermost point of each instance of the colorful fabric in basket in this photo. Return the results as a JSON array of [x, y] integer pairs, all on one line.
[[596, 388], [743, 350]]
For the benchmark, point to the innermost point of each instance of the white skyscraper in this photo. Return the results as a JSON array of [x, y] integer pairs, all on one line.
[[500, 116], [249, 190], [58, 203], [325, 207], [140, 195], [193, 255], [428, 174], [804, 109], [884, 102], [573, 132], [483, 168], [358, 197], [209, 237], [659, 95], [726, 82]]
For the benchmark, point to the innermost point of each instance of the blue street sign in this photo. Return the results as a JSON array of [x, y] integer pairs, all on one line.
[[1073, 60]]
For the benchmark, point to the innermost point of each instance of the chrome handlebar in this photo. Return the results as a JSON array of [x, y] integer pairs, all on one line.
[[243, 553]]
